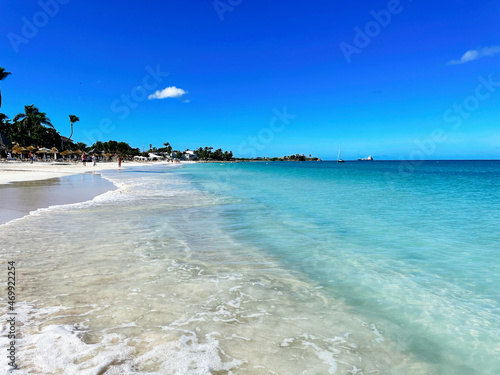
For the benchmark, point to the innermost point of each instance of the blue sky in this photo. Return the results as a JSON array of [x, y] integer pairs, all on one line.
[[262, 78]]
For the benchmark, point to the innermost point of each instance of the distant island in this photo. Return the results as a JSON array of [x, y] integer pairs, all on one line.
[[294, 157]]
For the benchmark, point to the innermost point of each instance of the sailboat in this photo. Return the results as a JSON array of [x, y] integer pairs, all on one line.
[[339, 160]]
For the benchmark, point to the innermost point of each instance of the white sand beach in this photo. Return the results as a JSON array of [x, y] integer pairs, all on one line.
[[26, 187], [16, 171]]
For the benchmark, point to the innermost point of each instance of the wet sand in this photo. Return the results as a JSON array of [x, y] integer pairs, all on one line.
[[18, 199], [15, 171]]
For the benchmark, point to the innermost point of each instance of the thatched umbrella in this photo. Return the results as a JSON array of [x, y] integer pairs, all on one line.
[[30, 149], [78, 152], [55, 151], [44, 151], [67, 153], [18, 150]]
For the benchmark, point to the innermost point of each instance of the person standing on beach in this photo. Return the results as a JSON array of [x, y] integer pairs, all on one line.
[[84, 160], [119, 162], [94, 159], [30, 156]]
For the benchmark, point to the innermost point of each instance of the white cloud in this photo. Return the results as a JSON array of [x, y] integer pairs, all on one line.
[[187, 101], [475, 54], [169, 92]]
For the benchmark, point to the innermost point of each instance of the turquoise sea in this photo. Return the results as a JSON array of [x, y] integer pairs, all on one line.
[[267, 268]]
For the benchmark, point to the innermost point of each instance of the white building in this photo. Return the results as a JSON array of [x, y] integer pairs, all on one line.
[[190, 155], [152, 156]]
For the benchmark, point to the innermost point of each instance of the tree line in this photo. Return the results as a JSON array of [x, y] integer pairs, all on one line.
[[34, 128], [206, 153]]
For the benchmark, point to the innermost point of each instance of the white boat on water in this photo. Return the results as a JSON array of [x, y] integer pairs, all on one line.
[[339, 160], [369, 158]]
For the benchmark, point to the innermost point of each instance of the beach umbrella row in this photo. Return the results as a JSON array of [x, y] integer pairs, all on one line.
[[19, 150], [44, 151]]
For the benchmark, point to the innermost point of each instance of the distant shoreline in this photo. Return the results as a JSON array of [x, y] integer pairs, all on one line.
[[16, 171], [347, 161]]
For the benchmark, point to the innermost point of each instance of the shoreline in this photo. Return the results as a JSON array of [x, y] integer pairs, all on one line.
[[20, 199], [26, 188], [15, 171], [185, 238]]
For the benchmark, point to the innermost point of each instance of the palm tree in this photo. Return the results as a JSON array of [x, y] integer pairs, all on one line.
[[31, 125], [3, 75], [4, 129], [168, 148], [72, 120], [3, 119]]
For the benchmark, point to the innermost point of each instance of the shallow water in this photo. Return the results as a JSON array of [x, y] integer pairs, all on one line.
[[18, 199], [259, 268]]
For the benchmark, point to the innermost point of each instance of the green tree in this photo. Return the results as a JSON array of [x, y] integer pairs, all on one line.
[[5, 130], [110, 146], [123, 148], [5, 125], [81, 146], [168, 148], [218, 154], [200, 153], [3, 75], [31, 128], [98, 146], [72, 120], [207, 153]]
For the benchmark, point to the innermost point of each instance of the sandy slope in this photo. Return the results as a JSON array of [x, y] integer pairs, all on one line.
[[12, 171]]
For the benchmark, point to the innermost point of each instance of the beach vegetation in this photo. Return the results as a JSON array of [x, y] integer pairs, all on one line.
[[72, 120], [4, 123], [113, 147], [31, 128], [207, 153], [3, 74], [167, 149], [80, 146]]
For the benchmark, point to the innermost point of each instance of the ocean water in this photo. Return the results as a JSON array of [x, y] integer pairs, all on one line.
[[264, 268]]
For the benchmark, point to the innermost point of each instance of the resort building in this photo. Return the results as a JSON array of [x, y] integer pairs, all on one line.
[[190, 155]]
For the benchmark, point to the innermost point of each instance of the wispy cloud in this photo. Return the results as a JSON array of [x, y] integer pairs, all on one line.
[[475, 54], [169, 92]]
